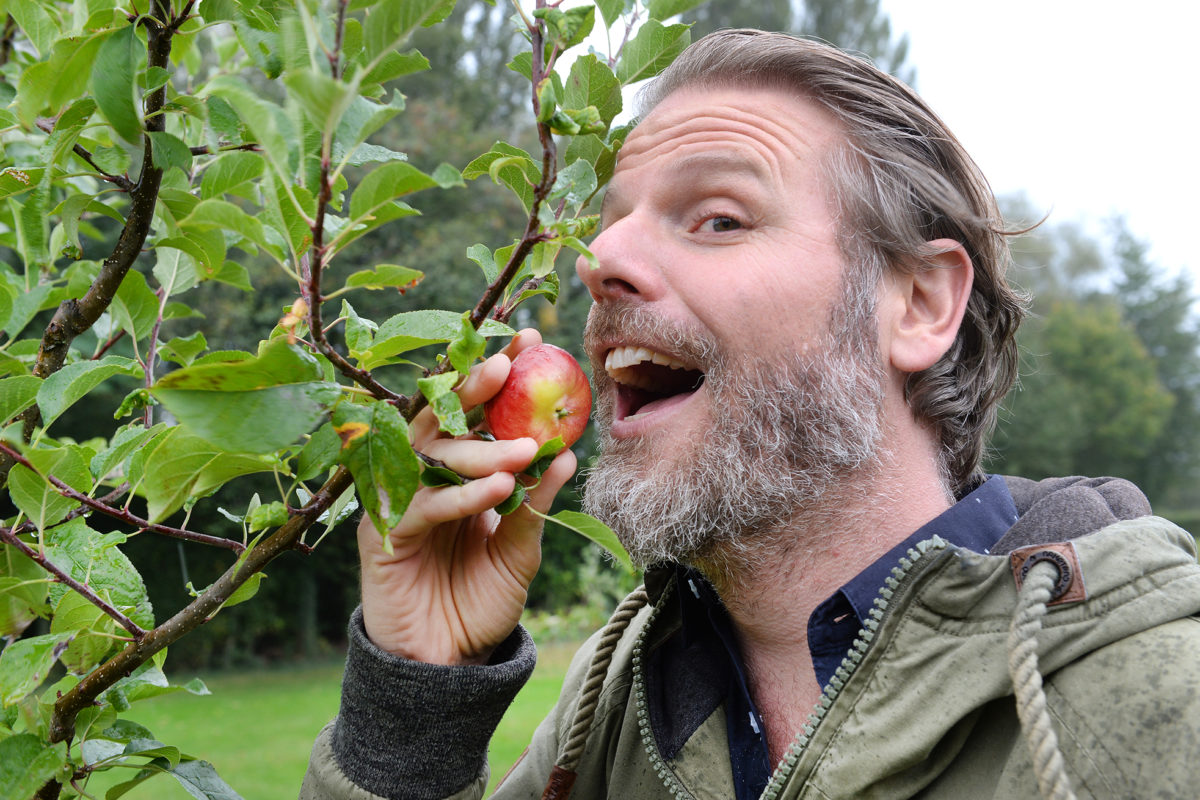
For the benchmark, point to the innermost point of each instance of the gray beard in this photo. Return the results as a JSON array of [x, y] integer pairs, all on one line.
[[785, 438]]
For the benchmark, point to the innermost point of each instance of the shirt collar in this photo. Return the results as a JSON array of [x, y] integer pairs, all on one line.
[[976, 522]]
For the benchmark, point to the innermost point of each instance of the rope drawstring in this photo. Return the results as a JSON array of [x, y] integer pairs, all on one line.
[[562, 777], [1036, 592]]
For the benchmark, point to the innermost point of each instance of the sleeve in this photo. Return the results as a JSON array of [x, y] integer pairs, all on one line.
[[408, 730]]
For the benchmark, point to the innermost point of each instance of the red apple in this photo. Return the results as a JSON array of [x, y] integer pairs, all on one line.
[[546, 395]]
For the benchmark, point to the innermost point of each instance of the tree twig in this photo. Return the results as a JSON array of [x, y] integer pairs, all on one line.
[[120, 513], [33, 554], [411, 406], [122, 182]]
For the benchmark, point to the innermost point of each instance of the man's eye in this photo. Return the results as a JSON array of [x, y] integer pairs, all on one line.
[[722, 224]]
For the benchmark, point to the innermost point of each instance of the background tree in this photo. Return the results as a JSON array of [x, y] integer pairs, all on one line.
[[1111, 364]]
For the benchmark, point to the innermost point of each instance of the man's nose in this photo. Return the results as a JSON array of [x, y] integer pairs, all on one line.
[[629, 263]]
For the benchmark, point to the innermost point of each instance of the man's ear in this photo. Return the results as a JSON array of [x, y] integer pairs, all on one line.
[[927, 307]]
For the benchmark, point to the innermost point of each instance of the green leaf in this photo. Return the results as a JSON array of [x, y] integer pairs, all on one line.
[[179, 466], [323, 99], [467, 347], [17, 394], [509, 166], [574, 185], [183, 350], [651, 50], [75, 614], [201, 781], [447, 176], [377, 451], [435, 476], [522, 64], [439, 391], [664, 9], [23, 591], [363, 118], [385, 276], [15, 181], [394, 64], [135, 306], [266, 122], [175, 270], [360, 333], [67, 386], [582, 249], [591, 148], [482, 256], [366, 154], [597, 531], [92, 557], [384, 184], [230, 172], [35, 496], [319, 453], [24, 664], [268, 515], [260, 405], [565, 29], [25, 306], [512, 502], [222, 215], [36, 23], [112, 83], [124, 443], [610, 10], [413, 329], [592, 83], [170, 151], [27, 763], [390, 23]]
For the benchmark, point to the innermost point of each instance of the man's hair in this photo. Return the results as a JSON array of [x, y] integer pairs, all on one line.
[[901, 181]]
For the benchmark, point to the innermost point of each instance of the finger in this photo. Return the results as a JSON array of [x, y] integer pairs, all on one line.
[[526, 337], [554, 478], [475, 458], [431, 507], [484, 381]]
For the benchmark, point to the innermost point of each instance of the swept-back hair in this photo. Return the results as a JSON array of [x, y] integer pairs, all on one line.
[[900, 181]]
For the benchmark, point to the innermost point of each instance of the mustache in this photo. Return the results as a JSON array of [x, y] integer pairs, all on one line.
[[623, 322]]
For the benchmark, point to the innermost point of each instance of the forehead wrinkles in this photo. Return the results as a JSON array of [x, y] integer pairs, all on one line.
[[679, 132]]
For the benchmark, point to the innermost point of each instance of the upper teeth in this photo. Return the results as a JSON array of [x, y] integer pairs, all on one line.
[[629, 356]]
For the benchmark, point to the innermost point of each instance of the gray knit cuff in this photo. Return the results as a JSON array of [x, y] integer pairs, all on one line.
[[409, 730]]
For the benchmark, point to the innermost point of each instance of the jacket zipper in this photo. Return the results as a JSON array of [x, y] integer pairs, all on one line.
[[862, 643]]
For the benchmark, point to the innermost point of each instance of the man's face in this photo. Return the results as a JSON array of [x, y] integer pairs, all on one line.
[[734, 380]]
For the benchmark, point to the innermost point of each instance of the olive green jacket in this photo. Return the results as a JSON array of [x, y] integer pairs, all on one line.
[[923, 707]]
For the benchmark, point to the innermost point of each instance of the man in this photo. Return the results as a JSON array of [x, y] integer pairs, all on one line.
[[800, 334]]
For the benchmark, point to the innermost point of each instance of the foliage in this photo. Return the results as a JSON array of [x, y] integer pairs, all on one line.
[[151, 153], [1110, 379]]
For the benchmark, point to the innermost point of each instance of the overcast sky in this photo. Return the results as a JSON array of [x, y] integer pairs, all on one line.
[[1091, 108]]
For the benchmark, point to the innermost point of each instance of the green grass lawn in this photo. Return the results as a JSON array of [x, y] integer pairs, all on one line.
[[258, 727]]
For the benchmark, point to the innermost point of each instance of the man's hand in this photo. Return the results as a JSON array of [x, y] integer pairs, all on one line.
[[456, 583]]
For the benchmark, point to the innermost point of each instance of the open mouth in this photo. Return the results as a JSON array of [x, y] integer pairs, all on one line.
[[648, 381]]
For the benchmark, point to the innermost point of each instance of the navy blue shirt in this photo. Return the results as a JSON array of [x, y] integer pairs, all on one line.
[[976, 522]]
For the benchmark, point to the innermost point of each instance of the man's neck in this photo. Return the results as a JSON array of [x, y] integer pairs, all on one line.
[[771, 595]]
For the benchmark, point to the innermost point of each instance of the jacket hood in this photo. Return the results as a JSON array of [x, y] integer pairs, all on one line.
[[1061, 509]]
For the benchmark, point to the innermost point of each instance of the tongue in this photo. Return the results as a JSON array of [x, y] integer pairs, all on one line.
[[661, 403]]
